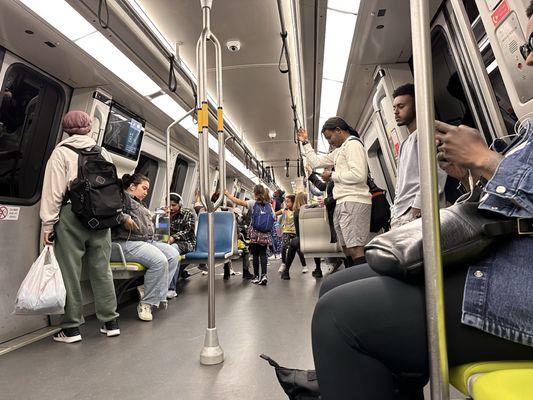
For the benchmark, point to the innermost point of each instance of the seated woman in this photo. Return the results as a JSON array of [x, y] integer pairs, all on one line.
[[161, 260], [369, 331], [294, 246]]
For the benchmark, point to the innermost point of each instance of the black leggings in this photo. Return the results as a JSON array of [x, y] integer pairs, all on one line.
[[259, 252], [369, 336], [294, 248]]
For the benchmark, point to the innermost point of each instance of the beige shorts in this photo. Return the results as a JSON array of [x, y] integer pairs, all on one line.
[[352, 223]]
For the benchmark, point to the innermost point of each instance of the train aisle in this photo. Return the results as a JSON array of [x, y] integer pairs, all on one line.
[[160, 360]]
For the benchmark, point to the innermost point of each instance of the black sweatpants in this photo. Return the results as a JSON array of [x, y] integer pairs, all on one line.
[[259, 253], [369, 336], [294, 248]]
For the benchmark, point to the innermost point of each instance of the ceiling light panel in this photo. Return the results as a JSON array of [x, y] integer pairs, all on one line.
[[331, 94], [348, 6], [170, 107], [62, 17], [98, 46], [339, 34]]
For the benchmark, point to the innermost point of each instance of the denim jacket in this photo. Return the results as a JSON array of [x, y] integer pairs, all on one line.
[[498, 294]]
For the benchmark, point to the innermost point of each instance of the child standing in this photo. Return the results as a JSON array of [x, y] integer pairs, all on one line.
[[259, 231], [288, 232]]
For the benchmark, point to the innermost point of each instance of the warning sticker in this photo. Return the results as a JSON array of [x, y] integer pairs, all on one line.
[[9, 213]]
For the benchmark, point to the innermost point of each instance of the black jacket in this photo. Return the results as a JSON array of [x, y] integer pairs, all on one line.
[[329, 201]]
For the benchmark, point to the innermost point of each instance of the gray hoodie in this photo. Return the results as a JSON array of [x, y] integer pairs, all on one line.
[[61, 170]]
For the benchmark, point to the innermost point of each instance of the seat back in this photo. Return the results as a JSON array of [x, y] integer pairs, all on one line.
[[315, 234], [224, 232]]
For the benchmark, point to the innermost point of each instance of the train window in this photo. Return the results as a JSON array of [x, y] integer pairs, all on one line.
[[386, 174], [30, 114], [451, 104], [148, 167], [179, 175]]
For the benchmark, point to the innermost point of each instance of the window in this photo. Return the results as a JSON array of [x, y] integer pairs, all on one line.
[[148, 167], [30, 114], [179, 175]]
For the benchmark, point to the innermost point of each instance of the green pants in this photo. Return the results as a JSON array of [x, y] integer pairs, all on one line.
[[75, 246]]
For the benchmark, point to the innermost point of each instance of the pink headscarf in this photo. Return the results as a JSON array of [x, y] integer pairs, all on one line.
[[77, 123]]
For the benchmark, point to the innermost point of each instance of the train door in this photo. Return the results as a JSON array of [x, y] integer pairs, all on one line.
[[31, 107]]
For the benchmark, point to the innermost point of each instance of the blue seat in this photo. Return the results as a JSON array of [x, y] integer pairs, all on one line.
[[224, 237]]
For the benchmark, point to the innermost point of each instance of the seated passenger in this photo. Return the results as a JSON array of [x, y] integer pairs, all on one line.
[[161, 260], [182, 235], [74, 242], [369, 331], [294, 246], [407, 201]]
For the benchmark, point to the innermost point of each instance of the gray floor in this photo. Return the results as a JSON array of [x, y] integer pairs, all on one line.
[[160, 360]]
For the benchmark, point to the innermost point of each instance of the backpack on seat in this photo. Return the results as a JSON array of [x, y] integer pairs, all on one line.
[[96, 193], [262, 217]]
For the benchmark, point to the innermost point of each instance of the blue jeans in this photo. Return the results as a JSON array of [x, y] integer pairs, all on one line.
[[155, 257]]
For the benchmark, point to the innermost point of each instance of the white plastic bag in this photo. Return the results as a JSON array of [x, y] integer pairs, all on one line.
[[43, 290]]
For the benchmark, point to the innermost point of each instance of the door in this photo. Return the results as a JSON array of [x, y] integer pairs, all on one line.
[[31, 106]]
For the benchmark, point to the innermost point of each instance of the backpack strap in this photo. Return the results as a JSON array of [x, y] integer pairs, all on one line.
[[74, 149]]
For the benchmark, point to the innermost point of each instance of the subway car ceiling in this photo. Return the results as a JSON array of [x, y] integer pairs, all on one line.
[[256, 95]]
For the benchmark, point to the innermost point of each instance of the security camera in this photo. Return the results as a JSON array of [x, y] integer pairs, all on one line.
[[233, 45]]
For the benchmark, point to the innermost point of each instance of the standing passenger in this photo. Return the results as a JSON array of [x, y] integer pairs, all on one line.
[[289, 232], [354, 204], [261, 211], [74, 242], [407, 202]]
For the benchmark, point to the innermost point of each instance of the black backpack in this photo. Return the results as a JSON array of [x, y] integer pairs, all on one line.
[[96, 194]]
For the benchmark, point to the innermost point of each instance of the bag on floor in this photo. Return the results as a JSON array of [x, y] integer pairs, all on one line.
[[43, 290], [297, 384]]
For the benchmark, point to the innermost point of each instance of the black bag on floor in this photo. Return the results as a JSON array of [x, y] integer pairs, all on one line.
[[297, 384]]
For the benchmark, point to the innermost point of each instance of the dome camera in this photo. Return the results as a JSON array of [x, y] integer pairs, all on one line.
[[233, 45]]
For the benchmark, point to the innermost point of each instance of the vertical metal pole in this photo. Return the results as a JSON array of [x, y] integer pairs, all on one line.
[[211, 353], [425, 119]]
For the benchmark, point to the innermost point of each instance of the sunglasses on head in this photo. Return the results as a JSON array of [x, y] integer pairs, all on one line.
[[527, 47]]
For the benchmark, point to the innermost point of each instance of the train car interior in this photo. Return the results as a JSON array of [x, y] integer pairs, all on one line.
[[223, 113]]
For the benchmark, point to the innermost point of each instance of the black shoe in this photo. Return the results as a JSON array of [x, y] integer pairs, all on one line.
[[110, 328], [68, 335], [247, 275], [184, 274], [226, 272], [285, 276], [317, 273]]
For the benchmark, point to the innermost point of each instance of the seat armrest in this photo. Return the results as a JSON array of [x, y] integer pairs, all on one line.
[[116, 249]]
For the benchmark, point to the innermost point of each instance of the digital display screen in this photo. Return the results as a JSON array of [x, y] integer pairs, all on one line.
[[123, 133]]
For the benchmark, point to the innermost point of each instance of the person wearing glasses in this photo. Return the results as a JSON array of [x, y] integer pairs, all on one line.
[[369, 331]]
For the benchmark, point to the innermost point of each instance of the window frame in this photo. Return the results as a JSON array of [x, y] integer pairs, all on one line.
[[152, 180], [174, 180], [53, 134]]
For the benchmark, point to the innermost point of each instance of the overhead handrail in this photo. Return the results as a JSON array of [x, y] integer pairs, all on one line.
[[212, 352], [425, 121]]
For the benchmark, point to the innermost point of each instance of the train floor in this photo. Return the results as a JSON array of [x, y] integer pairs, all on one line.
[[160, 360]]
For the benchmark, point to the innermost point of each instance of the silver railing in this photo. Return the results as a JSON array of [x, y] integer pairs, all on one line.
[[211, 353], [425, 121]]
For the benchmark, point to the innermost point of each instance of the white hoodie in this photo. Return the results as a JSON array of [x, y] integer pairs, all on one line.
[[61, 170]]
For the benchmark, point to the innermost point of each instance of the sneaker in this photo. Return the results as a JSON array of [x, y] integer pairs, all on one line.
[[256, 280], [285, 276], [247, 275], [110, 328], [163, 305], [305, 270], [140, 291], [232, 272], [317, 273], [282, 267], [272, 257], [144, 311], [171, 294], [202, 267], [263, 281], [184, 274], [333, 268], [68, 335]]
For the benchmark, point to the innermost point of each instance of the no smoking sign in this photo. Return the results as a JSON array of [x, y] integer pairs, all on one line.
[[8, 213]]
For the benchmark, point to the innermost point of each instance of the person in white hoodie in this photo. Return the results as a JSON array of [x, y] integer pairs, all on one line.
[[73, 242], [351, 218]]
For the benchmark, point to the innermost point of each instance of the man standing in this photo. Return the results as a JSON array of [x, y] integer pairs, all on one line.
[[351, 218], [408, 200]]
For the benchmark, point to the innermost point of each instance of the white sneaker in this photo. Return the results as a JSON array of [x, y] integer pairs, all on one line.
[[256, 280], [144, 311], [171, 294], [305, 270], [231, 271], [272, 257], [282, 268], [140, 291]]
